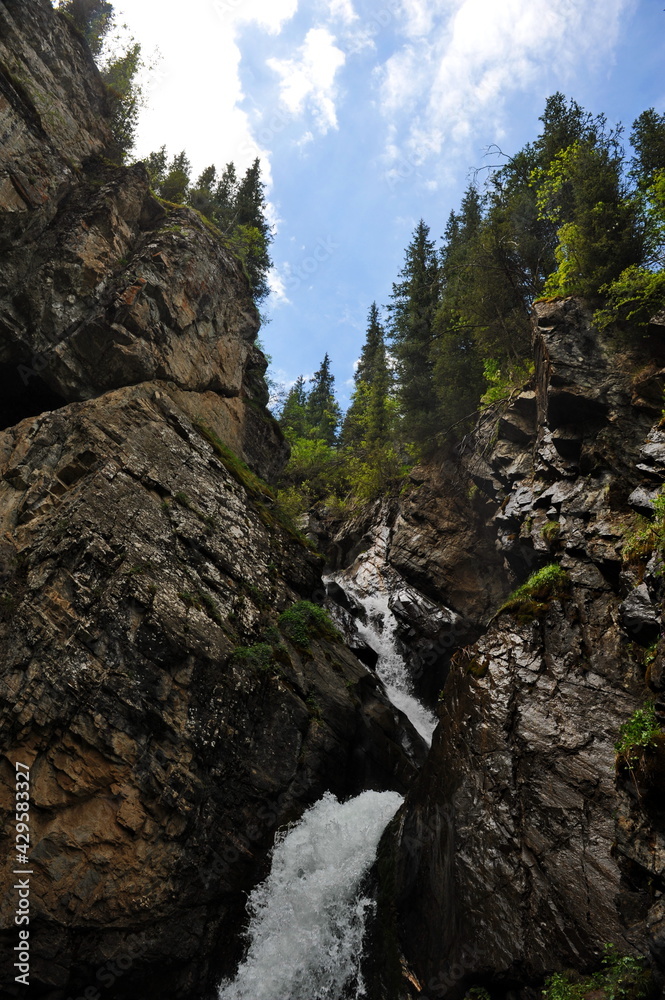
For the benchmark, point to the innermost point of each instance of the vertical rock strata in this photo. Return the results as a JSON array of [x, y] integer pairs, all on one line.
[[521, 850], [142, 560]]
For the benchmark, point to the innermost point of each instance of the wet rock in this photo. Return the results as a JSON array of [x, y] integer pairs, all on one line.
[[642, 500], [639, 617]]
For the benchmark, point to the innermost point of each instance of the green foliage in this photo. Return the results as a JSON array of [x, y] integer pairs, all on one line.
[[581, 193], [305, 621], [93, 18], [125, 97], [371, 472], [633, 298], [370, 419], [531, 599], [235, 208], [623, 977], [118, 66], [504, 380], [259, 656], [412, 310], [321, 407], [648, 536], [648, 140], [636, 734]]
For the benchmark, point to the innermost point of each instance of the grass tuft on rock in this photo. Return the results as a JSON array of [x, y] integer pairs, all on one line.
[[532, 600], [306, 621]]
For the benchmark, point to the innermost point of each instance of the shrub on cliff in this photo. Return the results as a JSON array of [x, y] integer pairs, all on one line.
[[532, 599], [306, 621]]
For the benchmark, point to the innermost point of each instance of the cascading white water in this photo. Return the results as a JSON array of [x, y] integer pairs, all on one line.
[[308, 917], [368, 584], [379, 633]]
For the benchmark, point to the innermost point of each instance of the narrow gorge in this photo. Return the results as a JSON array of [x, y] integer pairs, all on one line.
[[324, 760]]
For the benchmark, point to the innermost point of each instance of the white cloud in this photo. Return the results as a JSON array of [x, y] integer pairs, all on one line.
[[271, 15], [194, 93], [308, 81], [342, 10], [461, 59], [278, 296]]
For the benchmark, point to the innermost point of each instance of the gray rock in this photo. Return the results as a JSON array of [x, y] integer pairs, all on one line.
[[639, 617]]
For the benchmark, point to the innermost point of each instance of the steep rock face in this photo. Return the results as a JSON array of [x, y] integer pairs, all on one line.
[[100, 286], [51, 122], [170, 721], [521, 850], [134, 564]]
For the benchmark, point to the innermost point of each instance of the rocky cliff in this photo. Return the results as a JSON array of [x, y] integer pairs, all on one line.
[[173, 697], [525, 846]]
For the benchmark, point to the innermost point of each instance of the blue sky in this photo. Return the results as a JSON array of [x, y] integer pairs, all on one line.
[[367, 115]]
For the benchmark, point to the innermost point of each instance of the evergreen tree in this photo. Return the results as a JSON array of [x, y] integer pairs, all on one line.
[[293, 418], [598, 229], [648, 139], [414, 304], [368, 415], [93, 18], [124, 96], [156, 164], [323, 413], [226, 194], [253, 233], [202, 195], [175, 185]]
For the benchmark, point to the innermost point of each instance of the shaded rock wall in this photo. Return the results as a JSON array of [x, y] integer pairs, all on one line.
[[522, 851]]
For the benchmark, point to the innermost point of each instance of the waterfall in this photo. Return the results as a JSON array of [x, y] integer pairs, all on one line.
[[379, 633], [308, 917], [368, 584]]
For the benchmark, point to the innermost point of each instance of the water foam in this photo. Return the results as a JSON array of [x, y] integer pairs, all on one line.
[[308, 917]]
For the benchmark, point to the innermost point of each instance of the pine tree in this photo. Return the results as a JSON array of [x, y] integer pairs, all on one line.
[[252, 232], [202, 195], [367, 418], [323, 413], [93, 18], [175, 185], [414, 304], [648, 140], [293, 418]]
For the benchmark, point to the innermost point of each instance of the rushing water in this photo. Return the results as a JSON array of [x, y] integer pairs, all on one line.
[[308, 917], [379, 633], [368, 585]]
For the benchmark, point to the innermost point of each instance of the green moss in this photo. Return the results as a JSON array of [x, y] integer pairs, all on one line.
[[551, 531], [532, 599], [190, 600], [202, 602], [647, 536], [259, 656], [306, 621], [638, 733], [238, 469]]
